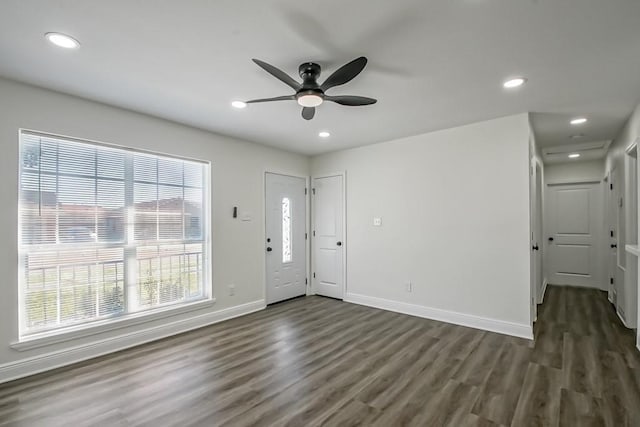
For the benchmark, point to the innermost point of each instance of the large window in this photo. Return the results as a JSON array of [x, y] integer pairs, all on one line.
[[106, 232]]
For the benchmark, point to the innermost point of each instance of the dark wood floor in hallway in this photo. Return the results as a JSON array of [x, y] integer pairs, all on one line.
[[318, 361]]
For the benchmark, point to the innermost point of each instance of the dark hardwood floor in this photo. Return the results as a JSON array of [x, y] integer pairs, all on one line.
[[318, 361]]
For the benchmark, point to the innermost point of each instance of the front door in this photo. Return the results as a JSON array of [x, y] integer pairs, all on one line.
[[285, 237], [328, 236], [575, 218]]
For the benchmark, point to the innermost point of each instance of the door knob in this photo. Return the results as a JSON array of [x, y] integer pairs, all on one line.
[[614, 245], [551, 239], [339, 243], [269, 249], [535, 248]]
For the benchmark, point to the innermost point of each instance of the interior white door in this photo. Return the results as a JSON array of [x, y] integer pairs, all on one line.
[[536, 238], [612, 224], [328, 236], [285, 222], [575, 218], [538, 235]]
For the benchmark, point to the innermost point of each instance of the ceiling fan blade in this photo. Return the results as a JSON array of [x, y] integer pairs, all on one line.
[[345, 73], [350, 100], [279, 74], [308, 112], [277, 98]]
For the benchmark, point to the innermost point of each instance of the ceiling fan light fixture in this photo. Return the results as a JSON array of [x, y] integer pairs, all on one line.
[[310, 100], [239, 104]]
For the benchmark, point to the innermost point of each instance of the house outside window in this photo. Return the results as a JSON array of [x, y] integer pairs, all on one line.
[[107, 232]]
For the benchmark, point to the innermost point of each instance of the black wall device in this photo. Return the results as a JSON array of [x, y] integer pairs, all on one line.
[[235, 212]]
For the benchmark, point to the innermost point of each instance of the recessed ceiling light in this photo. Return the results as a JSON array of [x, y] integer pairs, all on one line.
[[574, 156], [514, 83], [238, 104], [62, 40], [324, 134], [578, 121]]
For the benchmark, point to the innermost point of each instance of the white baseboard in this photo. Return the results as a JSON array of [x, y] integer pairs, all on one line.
[[55, 359], [493, 325], [544, 291], [621, 317]]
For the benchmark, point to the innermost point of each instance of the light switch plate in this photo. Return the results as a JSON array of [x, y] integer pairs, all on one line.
[[377, 222]]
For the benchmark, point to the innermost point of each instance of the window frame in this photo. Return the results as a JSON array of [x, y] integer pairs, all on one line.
[[28, 340]]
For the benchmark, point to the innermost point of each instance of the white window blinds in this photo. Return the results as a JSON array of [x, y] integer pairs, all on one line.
[[106, 231]]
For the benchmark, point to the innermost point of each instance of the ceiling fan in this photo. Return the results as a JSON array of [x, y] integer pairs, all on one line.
[[309, 94]]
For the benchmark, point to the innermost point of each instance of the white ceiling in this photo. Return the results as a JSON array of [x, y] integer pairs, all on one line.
[[432, 64], [587, 150]]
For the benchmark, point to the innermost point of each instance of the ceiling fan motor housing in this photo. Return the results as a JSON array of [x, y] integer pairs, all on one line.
[[309, 71]]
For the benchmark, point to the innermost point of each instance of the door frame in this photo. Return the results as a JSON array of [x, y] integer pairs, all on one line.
[[307, 223], [345, 239], [600, 240], [609, 222], [536, 236], [631, 158]]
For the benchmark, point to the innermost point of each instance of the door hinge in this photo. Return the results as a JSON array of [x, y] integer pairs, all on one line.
[[305, 236], [314, 274], [305, 190], [610, 186], [314, 191], [314, 233], [611, 280], [611, 233], [306, 281]]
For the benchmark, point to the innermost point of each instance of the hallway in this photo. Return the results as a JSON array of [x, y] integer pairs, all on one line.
[[584, 359]]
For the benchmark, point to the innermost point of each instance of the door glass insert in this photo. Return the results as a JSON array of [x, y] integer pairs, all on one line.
[[286, 230]]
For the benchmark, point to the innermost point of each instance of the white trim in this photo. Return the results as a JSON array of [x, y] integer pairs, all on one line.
[[88, 329], [477, 322], [573, 181], [622, 319], [631, 147], [55, 359], [633, 249], [544, 290]]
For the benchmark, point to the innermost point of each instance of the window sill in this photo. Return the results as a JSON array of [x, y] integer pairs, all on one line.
[[72, 333]]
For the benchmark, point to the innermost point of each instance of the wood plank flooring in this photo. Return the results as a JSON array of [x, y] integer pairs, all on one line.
[[317, 361]]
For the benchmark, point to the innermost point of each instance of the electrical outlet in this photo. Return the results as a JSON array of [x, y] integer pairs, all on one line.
[[377, 222], [232, 290], [408, 287]]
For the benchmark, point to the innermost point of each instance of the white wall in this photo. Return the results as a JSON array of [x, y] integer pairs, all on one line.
[[575, 172], [455, 221], [237, 174], [616, 158]]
